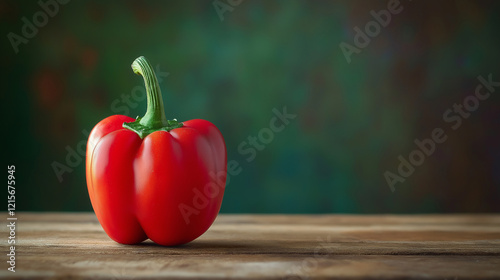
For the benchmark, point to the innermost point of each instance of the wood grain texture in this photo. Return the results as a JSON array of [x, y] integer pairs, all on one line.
[[74, 246]]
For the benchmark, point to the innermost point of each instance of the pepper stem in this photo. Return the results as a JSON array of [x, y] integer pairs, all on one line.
[[155, 114], [154, 119]]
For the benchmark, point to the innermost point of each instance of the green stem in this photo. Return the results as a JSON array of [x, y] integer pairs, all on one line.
[[155, 114], [154, 119]]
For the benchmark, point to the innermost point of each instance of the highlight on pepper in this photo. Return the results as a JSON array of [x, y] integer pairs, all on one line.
[[152, 177]]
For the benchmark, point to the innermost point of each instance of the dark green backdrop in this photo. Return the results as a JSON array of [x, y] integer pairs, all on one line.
[[233, 65]]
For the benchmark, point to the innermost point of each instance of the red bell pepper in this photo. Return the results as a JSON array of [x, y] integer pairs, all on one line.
[[155, 178]]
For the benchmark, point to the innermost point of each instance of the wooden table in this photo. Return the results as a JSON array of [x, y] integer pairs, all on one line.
[[73, 245]]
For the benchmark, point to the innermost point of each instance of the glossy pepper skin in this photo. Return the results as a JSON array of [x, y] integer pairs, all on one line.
[[154, 178]]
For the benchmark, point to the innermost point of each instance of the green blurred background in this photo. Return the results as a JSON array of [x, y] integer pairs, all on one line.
[[234, 66]]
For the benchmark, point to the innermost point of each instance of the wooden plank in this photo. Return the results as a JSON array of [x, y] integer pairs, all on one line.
[[73, 245]]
